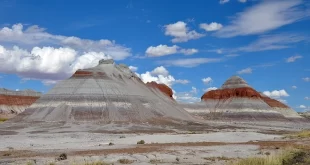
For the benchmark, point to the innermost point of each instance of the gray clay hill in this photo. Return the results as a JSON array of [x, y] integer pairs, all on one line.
[[105, 93]]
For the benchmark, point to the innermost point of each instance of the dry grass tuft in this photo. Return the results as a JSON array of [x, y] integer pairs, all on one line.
[[303, 134], [220, 158], [290, 157], [155, 161], [97, 163]]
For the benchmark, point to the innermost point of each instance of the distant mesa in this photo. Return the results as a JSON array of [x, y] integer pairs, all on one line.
[[237, 100], [15, 102], [105, 93], [162, 87]]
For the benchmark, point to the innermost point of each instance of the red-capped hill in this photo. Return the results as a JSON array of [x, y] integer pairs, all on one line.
[[162, 87], [231, 92], [235, 86]]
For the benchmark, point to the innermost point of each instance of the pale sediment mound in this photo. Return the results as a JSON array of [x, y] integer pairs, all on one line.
[[105, 93], [15, 102], [239, 101]]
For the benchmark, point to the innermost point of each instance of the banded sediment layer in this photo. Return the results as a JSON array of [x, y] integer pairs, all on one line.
[[15, 102]]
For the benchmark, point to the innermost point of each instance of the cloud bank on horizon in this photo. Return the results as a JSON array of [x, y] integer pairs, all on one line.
[[266, 42]]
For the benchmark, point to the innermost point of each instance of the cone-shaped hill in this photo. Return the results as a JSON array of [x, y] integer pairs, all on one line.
[[238, 100], [107, 93]]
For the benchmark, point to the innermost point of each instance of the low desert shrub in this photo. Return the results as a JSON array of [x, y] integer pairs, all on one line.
[[125, 161], [141, 142], [62, 156], [111, 144]]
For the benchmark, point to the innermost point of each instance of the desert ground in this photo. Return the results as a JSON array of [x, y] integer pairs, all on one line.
[[208, 142]]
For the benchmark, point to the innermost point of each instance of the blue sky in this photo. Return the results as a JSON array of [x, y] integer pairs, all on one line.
[[192, 46]]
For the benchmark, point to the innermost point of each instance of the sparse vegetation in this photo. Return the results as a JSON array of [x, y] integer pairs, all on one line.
[[30, 163], [62, 156], [192, 132], [303, 134], [217, 158], [154, 161], [177, 159], [97, 163], [111, 144], [125, 161], [267, 153], [3, 120], [52, 163], [7, 154], [141, 142], [292, 157], [121, 137]]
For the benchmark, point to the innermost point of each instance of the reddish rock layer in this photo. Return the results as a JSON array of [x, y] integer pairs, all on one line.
[[87, 74], [241, 92], [162, 87], [274, 103], [17, 100], [233, 92]]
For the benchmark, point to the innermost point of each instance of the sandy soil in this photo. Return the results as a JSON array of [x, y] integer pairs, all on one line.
[[209, 143]]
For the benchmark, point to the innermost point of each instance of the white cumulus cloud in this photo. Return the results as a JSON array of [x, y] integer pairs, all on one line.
[[133, 68], [302, 106], [160, 71], [245, 71], [211, 27], [207, 80], [242, 1], [210, 89], [181, 32], [160, 75], [33, 53], [307, 79], [46, 63], [163, 50], [34, 36], [307, 98], [294, 87], [276, 93]]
